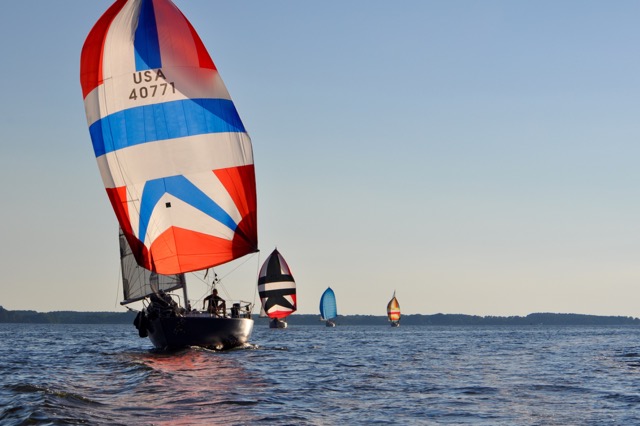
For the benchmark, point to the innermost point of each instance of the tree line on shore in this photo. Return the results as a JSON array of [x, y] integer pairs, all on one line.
[[74, 317]]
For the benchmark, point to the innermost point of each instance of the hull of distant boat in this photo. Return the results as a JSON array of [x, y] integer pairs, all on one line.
[[330, 323], [168, 333], [395, 324], [277, 323]]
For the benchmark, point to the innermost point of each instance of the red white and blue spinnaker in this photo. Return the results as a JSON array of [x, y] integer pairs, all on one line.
[[172, 151]]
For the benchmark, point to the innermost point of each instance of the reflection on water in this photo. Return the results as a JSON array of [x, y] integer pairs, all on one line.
[[98, 375], [194, 386]]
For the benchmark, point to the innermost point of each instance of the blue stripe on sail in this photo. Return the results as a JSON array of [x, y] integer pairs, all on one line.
[[145, 43], [181, 188], [164, 121]]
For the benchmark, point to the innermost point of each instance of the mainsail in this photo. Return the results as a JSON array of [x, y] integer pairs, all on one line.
[[277, 287], [174, 156], [138, 282], [393, 309], [328, 306]]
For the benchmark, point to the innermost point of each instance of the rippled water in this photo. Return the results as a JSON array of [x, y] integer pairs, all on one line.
[[313, 375]]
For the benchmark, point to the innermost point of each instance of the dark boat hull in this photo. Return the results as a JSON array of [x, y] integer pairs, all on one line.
[[277, 323], [168, 333]]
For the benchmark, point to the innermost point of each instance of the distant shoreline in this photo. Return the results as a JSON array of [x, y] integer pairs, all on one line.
[[74, 317]]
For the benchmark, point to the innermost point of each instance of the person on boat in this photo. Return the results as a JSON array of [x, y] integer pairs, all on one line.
[[217, 305]]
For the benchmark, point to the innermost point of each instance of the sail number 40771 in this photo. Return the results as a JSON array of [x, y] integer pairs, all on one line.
[[152, 90], [144, 90]]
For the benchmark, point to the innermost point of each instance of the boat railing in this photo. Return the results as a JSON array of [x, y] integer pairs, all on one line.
[[235, 309], [240, 309]]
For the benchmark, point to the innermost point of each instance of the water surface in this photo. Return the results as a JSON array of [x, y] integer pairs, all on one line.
[[312, 375]]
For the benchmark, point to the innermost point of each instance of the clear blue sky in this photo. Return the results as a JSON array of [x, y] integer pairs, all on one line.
[[476, 157]]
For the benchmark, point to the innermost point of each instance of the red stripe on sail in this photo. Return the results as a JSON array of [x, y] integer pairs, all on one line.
[[167, 15], [204, 59], [280, 314], [240, 184], [283, 313], [118, 198], [91, 56], [178, 250]]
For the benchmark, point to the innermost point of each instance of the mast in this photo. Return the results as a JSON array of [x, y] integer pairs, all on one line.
[[187, 305]]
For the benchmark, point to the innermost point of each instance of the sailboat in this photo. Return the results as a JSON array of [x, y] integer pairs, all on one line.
[[328, 307], [177, 165], [393, 311], [277, 290]]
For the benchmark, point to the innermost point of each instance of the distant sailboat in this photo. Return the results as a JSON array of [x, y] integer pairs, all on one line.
[[277, 290], [177, 165], [393, 311], [328, 307]]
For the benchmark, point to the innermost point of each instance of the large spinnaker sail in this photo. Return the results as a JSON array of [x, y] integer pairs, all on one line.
[[276, 287], [139, 282], [172, 151], [393, 309], [328, 306]]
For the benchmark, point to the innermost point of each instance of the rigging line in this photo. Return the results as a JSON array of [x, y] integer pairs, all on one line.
[[248, 258], [118, 277], [202, 280], [218, 284], [218, 279], [209, 287], [255, 288], [238, 266]]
